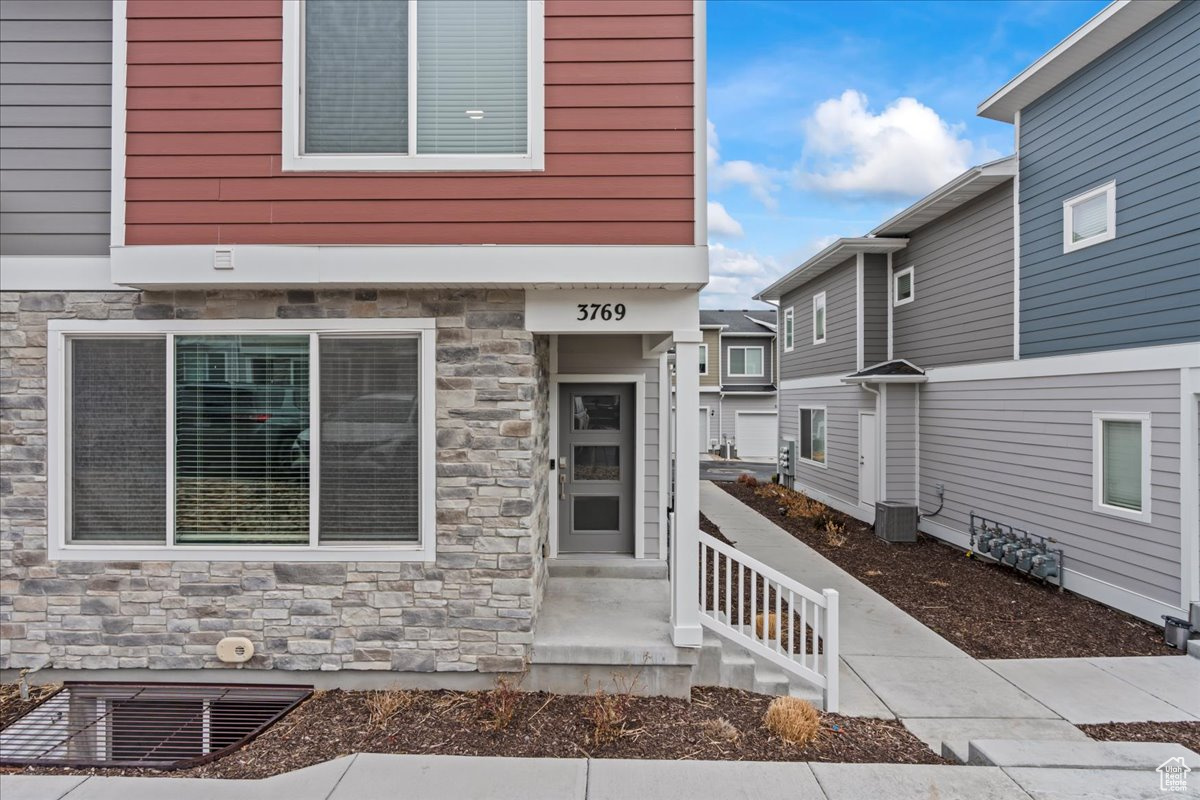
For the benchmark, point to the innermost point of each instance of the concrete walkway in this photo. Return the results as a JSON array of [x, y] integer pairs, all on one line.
[[409, 777], [893, 666]]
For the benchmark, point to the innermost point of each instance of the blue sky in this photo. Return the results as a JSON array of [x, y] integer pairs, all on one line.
[[825, 118]]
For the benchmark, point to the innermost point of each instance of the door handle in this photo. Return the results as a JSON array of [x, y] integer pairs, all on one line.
[[562, 485]]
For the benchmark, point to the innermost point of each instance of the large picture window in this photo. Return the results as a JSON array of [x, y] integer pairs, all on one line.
[[292, 441], [413, 84]]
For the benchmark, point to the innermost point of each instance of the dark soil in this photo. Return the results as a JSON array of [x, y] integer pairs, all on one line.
[[336, 723], [12, 707], [987, 610], [1184, 733]]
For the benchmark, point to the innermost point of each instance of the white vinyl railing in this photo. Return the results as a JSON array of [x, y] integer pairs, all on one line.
[[771, 615]]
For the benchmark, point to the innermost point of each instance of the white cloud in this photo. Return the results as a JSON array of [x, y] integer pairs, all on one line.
[[735, 276], [905, 150], [761, 181], [720, 223]]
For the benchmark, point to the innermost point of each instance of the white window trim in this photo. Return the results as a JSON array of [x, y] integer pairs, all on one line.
[[818, 301], [1110, 227], [57, 441], [703, 359], [747, 348], [789, 329], [800, 436], [295, 160], [912, 287], [1098, 420]]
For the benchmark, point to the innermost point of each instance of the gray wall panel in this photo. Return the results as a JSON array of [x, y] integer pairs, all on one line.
[[1130, 117], [901, 421], [842, 403], [962, 311], [875, 308], [839, 353], [55, 120]]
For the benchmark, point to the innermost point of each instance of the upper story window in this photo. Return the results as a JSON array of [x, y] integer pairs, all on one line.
[[1090, 218], [902, 287], [418, 85], [789, 329], [818, 303], [1121, 465], [703, 359], [745, 362]]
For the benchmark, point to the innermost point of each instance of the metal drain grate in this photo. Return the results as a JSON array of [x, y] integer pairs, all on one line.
[[160, 725]]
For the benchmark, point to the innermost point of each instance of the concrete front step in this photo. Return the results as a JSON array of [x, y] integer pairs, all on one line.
[[606, 567], [951, 737], [724, 663], [1076, 755]]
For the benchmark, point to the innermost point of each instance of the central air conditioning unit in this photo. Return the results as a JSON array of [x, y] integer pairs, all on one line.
[[896, 522]]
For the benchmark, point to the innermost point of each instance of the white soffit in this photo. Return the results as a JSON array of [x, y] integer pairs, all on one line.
[[964, 188], [826, 260], [1101, 33]]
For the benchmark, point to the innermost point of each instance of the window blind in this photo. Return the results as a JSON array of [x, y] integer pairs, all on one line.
[[472, 92], [370, 446], [355, 76], [1089, 218], [118, 447], [241, 422], [1123, 464]]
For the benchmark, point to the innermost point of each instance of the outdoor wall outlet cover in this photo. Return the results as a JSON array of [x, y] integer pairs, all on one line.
[[235, 650]]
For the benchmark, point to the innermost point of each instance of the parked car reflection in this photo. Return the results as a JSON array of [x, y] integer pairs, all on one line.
[[371, 432], [237, 431]]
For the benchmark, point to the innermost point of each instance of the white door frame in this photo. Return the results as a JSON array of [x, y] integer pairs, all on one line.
[[707, 411], [737, 423], [639, 453], [875, 460]]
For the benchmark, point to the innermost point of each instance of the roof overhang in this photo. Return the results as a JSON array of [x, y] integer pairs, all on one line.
[[898, 370], [856, 379], [942, 201], [826, 260], [761, 323], [1101, 33]]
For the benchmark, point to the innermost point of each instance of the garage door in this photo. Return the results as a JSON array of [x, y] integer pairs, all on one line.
[[756, 435]]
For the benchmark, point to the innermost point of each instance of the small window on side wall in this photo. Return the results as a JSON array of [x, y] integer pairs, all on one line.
[[703, 359], [811, 446], [818, 318], [789, 330], [1090, 218], [903, 290], [1121, 465]]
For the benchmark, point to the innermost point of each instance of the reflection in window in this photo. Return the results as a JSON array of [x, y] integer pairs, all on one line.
[[597, 463], [812, 434], [597, 412]]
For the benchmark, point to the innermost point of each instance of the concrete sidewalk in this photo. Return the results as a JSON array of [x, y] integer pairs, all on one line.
[[895, 666], [392, 777]]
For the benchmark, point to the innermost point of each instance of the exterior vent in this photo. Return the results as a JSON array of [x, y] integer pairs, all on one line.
[[161, 725], [896, 522], [223, 258]]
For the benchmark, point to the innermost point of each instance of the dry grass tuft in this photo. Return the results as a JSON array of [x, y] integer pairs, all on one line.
[[608, 714], [791, 504], [793, 720], [746, 479], [498, 706], [720, 730], [383, 704], [772, 626], [835, 533]]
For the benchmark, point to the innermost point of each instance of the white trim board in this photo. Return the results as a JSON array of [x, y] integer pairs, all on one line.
[[1189, 476], [120, 68], [639, 449], [57, 273], [700, 120]]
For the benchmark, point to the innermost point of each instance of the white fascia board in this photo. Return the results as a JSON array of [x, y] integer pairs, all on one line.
[[943, 200], [1115, 23], [886, 379], [412, 266], [57, 273]]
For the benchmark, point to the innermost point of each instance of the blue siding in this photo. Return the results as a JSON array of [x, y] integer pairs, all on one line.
[[1132, 116]]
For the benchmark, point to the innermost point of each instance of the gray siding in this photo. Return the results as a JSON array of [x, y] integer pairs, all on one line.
[[764, 342], [962, 311], [842, 403], [875, 309], [55, 117], [616, 355], [901, 461], [839, 354], [731, 404], [1021, 450], [1132, 116]]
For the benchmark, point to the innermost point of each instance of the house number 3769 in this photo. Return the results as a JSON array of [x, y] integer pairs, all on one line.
[[603, 311]]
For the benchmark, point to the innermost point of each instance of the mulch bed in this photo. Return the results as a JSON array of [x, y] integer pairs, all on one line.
[[335, 723], [987, 610], [1184, 733], [12, 707]]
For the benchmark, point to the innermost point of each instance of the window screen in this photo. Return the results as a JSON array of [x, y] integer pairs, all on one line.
[[241, 467], [1123, 464], [355, 76], [1089, 218], [118, 440], [472, 91], [370, 445]]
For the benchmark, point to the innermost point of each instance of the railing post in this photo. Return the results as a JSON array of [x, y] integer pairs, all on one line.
[[832, 662], [685, 573]]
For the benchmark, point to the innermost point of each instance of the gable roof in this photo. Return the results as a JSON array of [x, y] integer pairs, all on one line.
[[1115, 23], [826, 260], [761, 321], [941, 201]]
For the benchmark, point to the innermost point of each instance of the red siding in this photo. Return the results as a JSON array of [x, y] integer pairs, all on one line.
[[204, 139]]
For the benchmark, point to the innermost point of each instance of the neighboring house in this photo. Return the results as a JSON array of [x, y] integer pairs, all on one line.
[[1024, 342], [737, 382], [302, 346]]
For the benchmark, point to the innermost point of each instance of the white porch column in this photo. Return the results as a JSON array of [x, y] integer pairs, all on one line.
[[685, 566]]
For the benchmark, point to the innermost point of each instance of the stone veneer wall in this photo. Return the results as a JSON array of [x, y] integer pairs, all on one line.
[[470, 610]]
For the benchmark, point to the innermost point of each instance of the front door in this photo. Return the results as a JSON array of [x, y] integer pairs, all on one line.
[[868, 461], [595, 475]]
